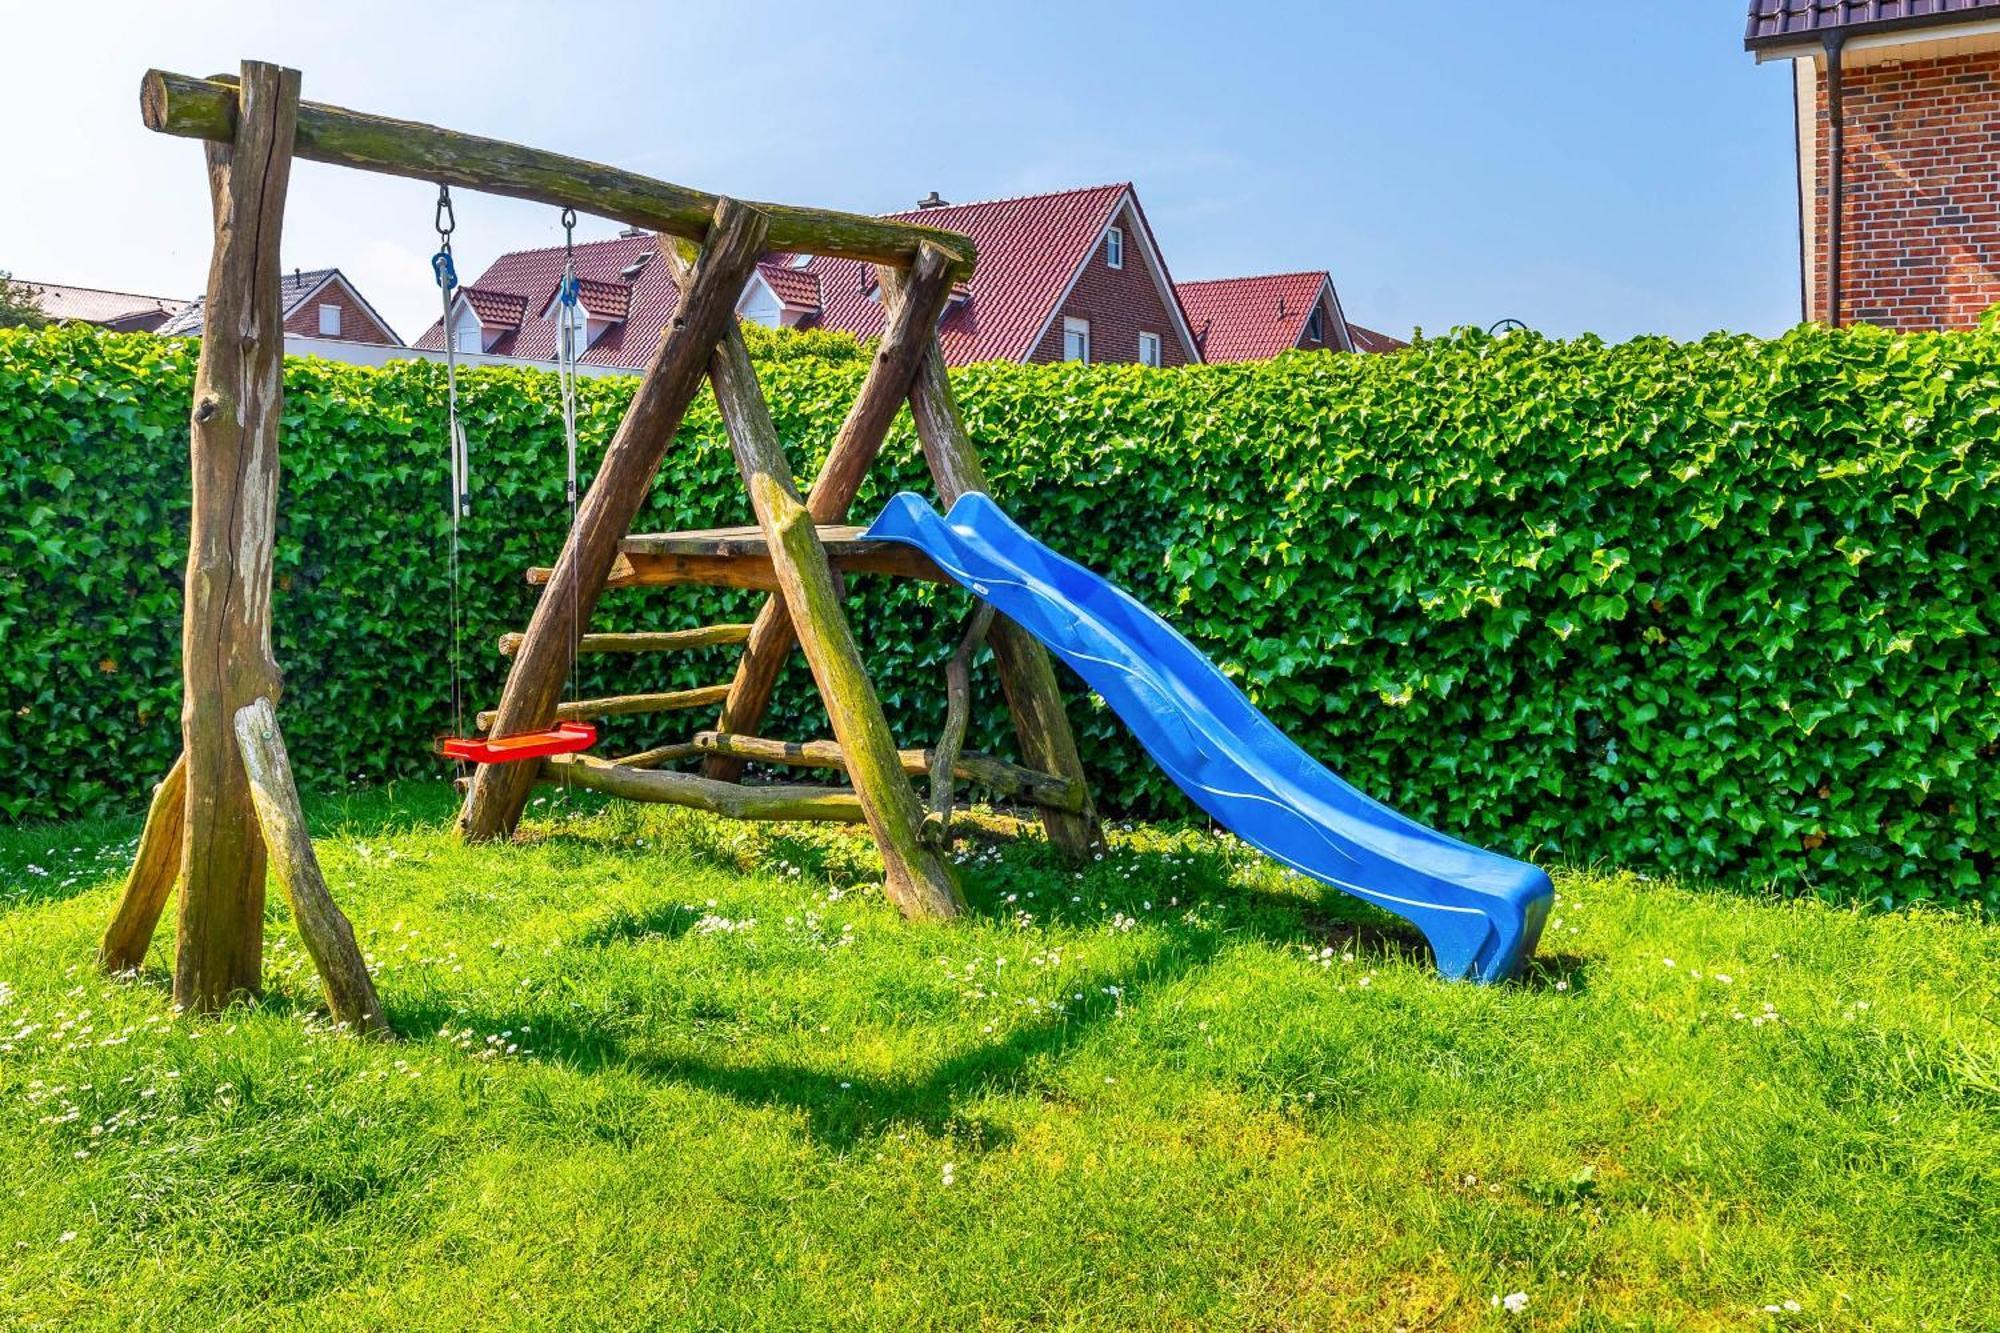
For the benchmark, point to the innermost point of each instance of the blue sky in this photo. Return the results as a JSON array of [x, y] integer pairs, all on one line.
[[1617, 168]]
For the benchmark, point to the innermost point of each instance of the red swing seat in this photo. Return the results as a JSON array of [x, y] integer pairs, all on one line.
[[562, 738]]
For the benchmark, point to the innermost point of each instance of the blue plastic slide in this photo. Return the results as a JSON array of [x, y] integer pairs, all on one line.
[[1481, 912]]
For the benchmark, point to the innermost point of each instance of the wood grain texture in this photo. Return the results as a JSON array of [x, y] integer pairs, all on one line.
[[753, 569], [730, 799], [957, 713], [663, 641], [226, 622], [604, 518], [196, 108], [915, 877], [343, 972], [156, 868], [625, 705], [906, 334], [995, 775]]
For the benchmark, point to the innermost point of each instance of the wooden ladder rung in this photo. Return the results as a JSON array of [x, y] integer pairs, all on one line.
[[740, 558], [997, 775], [660, 754], [623, 705], [652, 642], [830, 804]]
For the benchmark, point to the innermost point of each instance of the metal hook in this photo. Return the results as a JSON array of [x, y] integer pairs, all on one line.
[[446, 222]]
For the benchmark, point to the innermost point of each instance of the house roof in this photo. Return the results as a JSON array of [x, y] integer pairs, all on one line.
[[1368, 340], [649, 298], [496, 310], [1252, 319], [95, 305], [295, 289], [1030, 251], [1789, 22]]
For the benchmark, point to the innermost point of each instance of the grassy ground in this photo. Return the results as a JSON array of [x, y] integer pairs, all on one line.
[[657, 1069]]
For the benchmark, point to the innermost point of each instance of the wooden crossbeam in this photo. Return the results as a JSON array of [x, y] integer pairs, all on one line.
[[830, 804], [905, 335], [996, 775], [626, 705], [659, 754], [663, 641], [528, 702], [753, 569], [207, 109], [915, 877]]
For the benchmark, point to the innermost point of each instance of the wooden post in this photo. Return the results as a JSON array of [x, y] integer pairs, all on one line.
[[154, 871], [957, 712], [905, 335], [350, 994], [1027, 677], [226, 626], [916, 878], [708, 303]]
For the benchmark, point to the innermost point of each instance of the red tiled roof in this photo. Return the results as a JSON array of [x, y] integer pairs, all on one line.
[[1784, 22], [1368, 340], [496, 310], [605, 300], [531, 275], [1252, 319], [797, 288], [1029, 249]]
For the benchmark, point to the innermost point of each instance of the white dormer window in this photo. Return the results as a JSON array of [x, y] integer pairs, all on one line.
[[1114, 248], [329, 321], [1149, 349], [1076, 339], [578, 320], [468, 335]]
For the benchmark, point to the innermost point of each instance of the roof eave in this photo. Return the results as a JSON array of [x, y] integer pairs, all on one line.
[[1793, 45]]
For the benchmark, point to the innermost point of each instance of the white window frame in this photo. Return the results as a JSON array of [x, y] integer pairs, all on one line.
[[1081, 329], [1149, 349], [1114, 247], [329, 314], [1316, 323], [579, 320]]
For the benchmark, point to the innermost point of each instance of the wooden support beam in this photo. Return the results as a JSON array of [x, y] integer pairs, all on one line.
[[957, 713], [659, 754], [155, 869], [665, 641], [226, 622], [906, 333], [207, 109], [1027, 677], [534, 686], [826, 804], [343, 972], [625, 705], [996, 775], [918, 880], [740, 565]]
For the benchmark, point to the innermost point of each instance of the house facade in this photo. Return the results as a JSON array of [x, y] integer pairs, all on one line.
[[122, 312], [320, 307], [1897, 121]]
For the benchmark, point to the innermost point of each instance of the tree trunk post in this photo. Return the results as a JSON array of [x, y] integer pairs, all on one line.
[[918, 880], [541, 663], [226, 626], [905, 335], [350, 993], [1027, 677]]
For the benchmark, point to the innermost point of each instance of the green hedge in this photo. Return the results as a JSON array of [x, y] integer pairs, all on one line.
[[1724, 608]]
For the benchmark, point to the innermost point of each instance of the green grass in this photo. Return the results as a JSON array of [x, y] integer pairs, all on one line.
[[662, 1070]]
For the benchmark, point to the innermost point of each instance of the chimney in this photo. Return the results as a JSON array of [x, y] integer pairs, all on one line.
[[933, 200], [629, 233]]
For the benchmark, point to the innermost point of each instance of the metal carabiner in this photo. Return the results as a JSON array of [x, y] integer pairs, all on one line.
[[446, 223]]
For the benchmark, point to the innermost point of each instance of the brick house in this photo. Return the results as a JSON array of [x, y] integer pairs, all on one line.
[[1074, 275], [121, 312], [320, 305], [1897, 114]]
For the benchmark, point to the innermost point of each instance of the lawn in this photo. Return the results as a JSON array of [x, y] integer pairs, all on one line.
[[657, 1069]]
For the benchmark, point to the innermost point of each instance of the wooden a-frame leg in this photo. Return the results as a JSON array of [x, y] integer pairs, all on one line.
[[534, 685], [913, 314], [1027, 677], [916, 878], [155, 869]]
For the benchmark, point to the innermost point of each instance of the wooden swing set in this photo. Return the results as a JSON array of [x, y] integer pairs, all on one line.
[[229, 803]]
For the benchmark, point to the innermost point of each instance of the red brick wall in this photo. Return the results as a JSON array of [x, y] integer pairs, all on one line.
[[1920, 239], [1120, 303], [356, 324], [1329, 339]]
